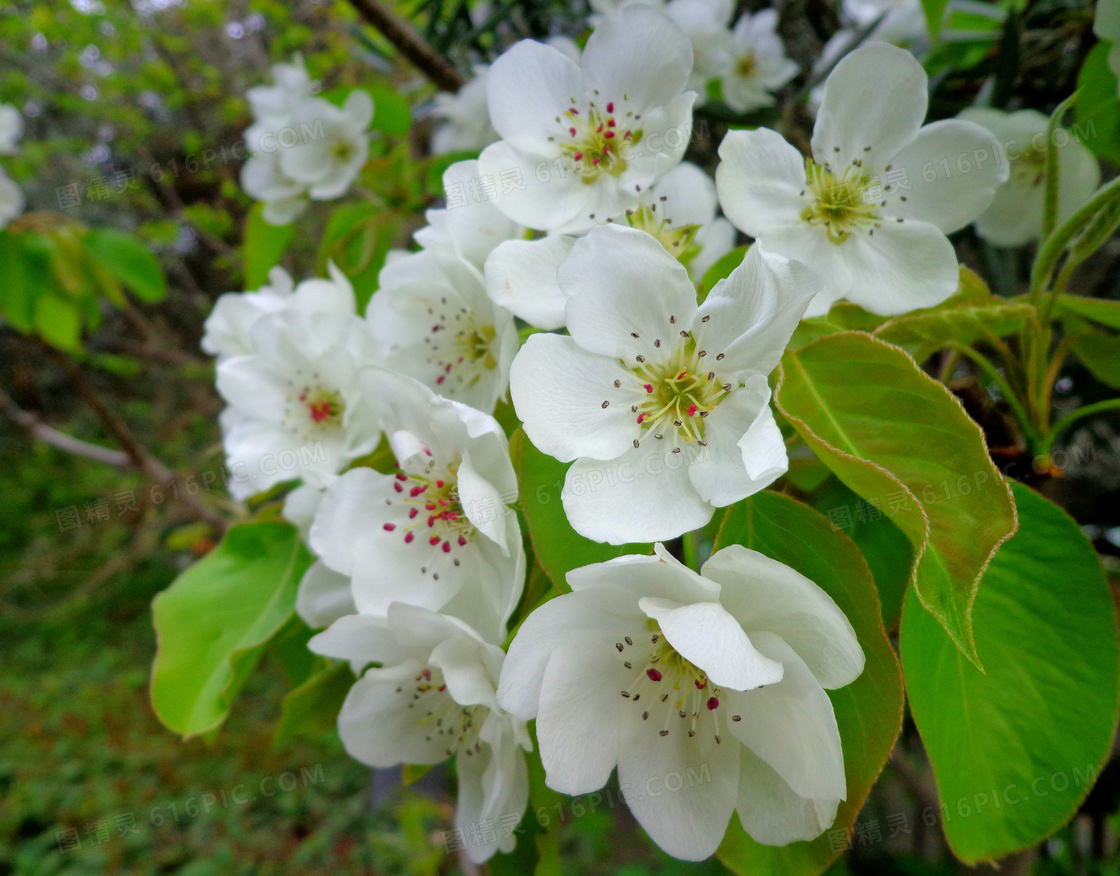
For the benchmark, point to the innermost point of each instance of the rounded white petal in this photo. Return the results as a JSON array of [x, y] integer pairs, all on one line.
[[875, 101], [764, 594], [771, 812], [521, 277], [528, 86], [759, 180], [324, 596]]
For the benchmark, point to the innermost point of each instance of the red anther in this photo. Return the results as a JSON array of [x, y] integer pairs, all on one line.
[[610, 123], [435, 328], [431, 521], [610, 106], [578, 156], [389, 527], [398, 487], [682, 374], [434, 540], [692, 410], [648, 387], [462, 541], [441, 378], [439, 484], [447, 547], [401, 476], [654, 675], [701, 683], [599, 129], [608, 134], [712, 703], [416, 491], [408, 537], [427, 673], [572, 131], [641, 417], [447, 367], [412, 513]]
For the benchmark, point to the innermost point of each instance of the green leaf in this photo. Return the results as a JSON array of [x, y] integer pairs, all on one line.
[[58, 321], [24, 276], [935, 14], [213, 622], [968, 316], [357, 239], [868, 711], [722, 267], [558, 547], [902, 441], [312, 708], [1017, 749], [884, 546], [1098, 351], [1098, 105], [264, 246], [391, 113], [1095, 309], [126, 257]]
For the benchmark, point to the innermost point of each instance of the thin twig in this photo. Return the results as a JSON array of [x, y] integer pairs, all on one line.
[[61, 440], [410, 44]]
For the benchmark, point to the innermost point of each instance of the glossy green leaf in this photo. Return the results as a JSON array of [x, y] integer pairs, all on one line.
[[24, 276], [1098, 310], [312, 708], [971, 314], [558, 547], [868, 711], [1098, 105], [58, 321], [213, 622], [722, 267], [1017, 749], [126, 257], [264, 246], [871, 415]]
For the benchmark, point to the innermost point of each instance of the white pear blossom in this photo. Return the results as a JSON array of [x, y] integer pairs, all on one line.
[[583, 140], [303, 147], [1106, 25], [464, 119], [437, 324], [706, 24], [432, 698], [663, 405], [706, 691], [11, 128], [758, 63], [602, 8], [295, 405], [870, 210], [470, 226], [1015, 216], [11, 196], [229, 326], [437, 533], [679, 210]]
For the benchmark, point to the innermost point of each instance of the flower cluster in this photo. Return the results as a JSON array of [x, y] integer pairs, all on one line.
[[303, 147], [570, 303], [11, 129]]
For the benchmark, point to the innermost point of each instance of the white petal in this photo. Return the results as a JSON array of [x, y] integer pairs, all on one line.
[[642, 495], [902, 267], [660, 575], [686, 195], [577, 724], [637, 55], [379, 729], [713, 641], [771, 812], [521, 277], [467, 670], [791, 725], [682, 790], [558, 390], [360, 639], [954, 198], [764, 594], [622, 282], [759, 180], [528, 86], [324, 596], [550, 197], [875, 97]]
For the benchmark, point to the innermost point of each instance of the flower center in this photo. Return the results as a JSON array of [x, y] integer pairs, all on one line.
[[840, 203], [746, 66], [669, 689], [441, 717], [343, 151], [316, 409], [677, 394], [460, 347], [679, 242], [596, 137], [1028, 169], [435, 512]]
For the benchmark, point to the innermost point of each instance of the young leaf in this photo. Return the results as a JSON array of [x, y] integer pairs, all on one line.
[[868, 711], [126, 257], [871, 415], [264, 246], [557, 546], [312, 707], [213, 622], [1016, 750]]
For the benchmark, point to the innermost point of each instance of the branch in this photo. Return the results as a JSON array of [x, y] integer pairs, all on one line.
[[61, 440], [410, 44]]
